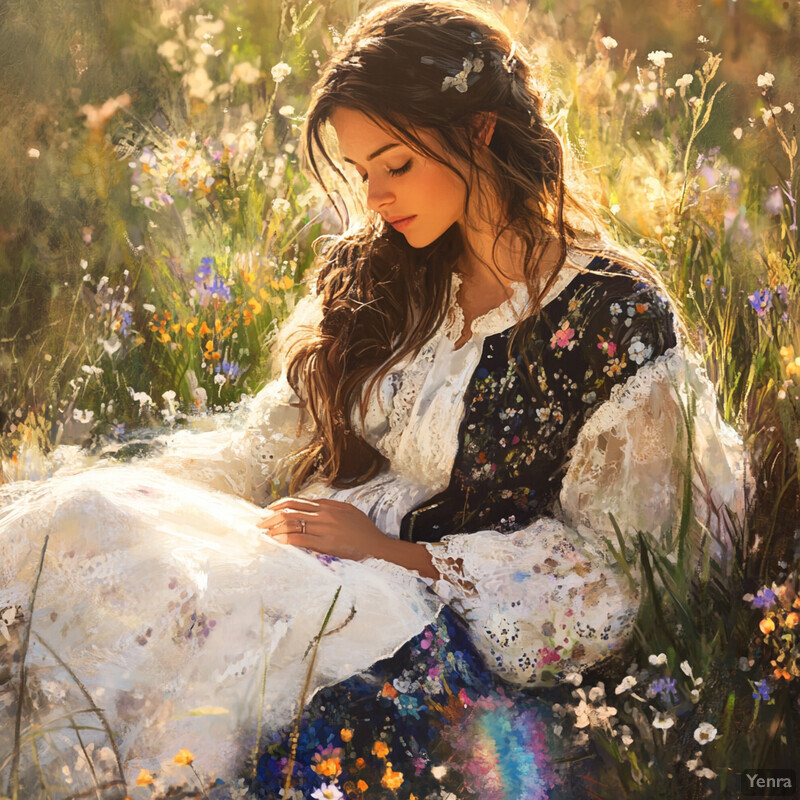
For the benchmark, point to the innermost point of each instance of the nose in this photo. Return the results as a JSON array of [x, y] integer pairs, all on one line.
[[379, 194]]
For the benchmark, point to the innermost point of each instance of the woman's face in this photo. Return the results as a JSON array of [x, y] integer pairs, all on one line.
[[419, 196]]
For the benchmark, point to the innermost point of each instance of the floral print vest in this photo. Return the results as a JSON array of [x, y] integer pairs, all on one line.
[[516, 436]]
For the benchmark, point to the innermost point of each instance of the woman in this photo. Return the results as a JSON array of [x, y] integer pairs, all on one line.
[[476, 385]]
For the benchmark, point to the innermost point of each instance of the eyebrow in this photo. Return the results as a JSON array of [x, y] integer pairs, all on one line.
[[376, 153]]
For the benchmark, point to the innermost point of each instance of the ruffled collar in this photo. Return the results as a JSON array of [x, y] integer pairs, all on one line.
[[511, 310]]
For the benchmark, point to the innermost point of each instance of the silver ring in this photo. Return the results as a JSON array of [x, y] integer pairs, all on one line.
[[302, 526]]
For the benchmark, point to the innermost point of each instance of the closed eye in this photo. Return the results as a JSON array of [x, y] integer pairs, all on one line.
[[393, 172]]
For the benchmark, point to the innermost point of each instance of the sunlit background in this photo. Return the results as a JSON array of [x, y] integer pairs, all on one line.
[[155, 226]]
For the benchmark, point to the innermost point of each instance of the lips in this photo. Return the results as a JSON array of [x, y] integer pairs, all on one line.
[[400, 222]]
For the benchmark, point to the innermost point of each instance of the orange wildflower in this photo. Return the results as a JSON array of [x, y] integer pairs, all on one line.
[[255, 305], [389, 691], [792, 619], [346, 734], [360, 763], [190, 327], [329, 768], [362, 786], [204, 329], [145, 778], [183, 757], [767, 626], [391, 780], [380, 749], [780, 672]]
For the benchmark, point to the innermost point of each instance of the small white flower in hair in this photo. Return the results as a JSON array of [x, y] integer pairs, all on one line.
[[460, 80]]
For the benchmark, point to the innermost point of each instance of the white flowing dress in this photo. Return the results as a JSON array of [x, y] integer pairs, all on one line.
[[163, 615]]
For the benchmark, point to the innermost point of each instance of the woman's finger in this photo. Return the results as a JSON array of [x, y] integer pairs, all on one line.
[[293, 502]]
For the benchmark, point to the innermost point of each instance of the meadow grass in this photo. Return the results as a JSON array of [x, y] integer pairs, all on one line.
[[157, 227]]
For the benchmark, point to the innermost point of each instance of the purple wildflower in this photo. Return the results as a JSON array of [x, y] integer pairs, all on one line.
[[762, 690], [764, 599], [665, 687], [229, 369], [219, 288], [761, 301]]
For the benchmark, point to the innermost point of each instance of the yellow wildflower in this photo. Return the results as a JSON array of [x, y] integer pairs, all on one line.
[[145, 778], [183, 757]]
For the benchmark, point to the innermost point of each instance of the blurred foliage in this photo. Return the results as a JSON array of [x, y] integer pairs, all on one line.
[[155, 226]]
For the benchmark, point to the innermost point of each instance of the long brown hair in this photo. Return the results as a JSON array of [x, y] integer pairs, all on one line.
[[381, 298]]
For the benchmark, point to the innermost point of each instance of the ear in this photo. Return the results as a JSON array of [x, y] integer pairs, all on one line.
[[483, 127]]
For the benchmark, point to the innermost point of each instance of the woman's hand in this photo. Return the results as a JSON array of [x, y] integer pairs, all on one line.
[[341, 530], [326, 526]]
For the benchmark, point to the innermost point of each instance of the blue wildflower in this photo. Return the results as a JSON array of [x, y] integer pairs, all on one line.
[[764, 599], [219, 288], [230, 370], [762, 690], [761, 301], [665, 688]]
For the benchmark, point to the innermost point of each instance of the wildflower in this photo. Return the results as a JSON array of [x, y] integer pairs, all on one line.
[[737, 133], [459, 80], [280, 71], [245, 72], [767, 626], [392, 780], [659, 660], [328, 791], [761, 690], [439, 771], [183, 757], [609, 42], [628, 682], [669, 93], [702, 39], [789, 107], [792, 619], [362, 786], [663, 722], [705, 733], [145, 778], [765, 80], [761, 301], [346, 734], [563, 337], [658, 58], [380, 749], [664, 687], [765, 597], [286, 111], [280, 207], [328, 768], [685, 80]]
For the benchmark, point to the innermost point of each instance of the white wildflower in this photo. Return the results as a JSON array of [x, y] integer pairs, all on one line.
[[7, 620], [245, 72], [439, 771], [685, 80], [84, 417], [658, 58], [737, 133], [149, 307], [33, 153], [705, 772], [280, 207], [705, 733], [702, 39], [280, 71], [609, 42], [142, 398], [695, 695], [765, 80], [766, 115], [776, 110], [628, 682], [686, 669], [219, 379], [575, 678], [614, 209], [286, 111], [199, 84], [597, 692], [669, 93], [789, 107]]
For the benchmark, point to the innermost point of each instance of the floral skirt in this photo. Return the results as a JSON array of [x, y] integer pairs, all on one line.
[[429, 722]]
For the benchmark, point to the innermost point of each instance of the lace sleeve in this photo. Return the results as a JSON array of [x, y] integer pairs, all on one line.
[[243, 455], [550, 599]]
